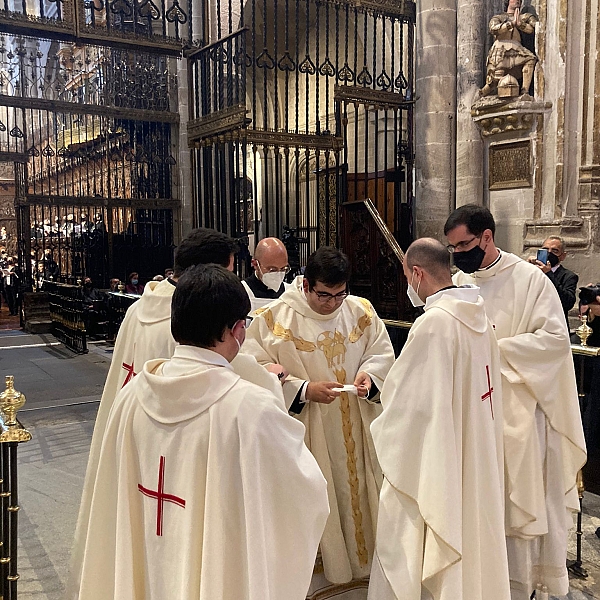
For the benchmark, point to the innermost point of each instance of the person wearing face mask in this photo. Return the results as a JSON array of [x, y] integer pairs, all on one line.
[[439, 443], [543, 436], [206, 488], [564, 281], [338, 354], [271, 265], [134, 286], [145, 334]]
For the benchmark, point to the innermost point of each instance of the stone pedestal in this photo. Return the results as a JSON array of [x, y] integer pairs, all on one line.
[[511, 130]]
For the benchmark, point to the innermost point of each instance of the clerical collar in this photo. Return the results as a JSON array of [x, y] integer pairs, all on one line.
[[173, 283], [260, 290], [495, 262]]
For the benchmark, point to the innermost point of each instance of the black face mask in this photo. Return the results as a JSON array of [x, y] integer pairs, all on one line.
[[469, 261], [552, 259]]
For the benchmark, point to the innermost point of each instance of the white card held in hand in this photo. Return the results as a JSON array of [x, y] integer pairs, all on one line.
[[351, 389]]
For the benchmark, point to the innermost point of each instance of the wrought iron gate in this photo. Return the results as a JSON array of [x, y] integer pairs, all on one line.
[[88, 96], [297, 106]]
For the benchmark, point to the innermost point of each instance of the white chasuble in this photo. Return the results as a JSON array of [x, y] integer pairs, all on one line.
[[543, 436], [205, 490], [333, 347], [440, 533], [145, 334]]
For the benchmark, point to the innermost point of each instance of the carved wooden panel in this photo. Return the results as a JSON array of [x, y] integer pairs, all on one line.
[[376, 261]]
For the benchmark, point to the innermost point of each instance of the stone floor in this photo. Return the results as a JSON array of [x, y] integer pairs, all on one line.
[[63, 391]]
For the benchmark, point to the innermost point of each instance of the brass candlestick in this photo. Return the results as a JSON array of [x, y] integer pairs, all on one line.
[[584, 330], [121, 288]]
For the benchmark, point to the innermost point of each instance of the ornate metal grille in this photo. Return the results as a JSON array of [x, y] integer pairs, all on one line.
[[96, 128], [297, 106]]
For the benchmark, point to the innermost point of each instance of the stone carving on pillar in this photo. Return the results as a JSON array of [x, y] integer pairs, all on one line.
[[508, 61]]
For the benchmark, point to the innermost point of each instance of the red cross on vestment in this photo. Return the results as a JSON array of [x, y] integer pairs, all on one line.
[[488, 394], [161, 496], [130, 373]]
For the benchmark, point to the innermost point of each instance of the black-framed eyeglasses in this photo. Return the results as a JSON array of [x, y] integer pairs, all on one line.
[[462, 245], [326, 296], [285, 269]]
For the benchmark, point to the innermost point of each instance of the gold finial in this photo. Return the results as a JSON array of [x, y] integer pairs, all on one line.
[[79, 282], [579, 480], [121, 287], [584, 330], [11, 401]]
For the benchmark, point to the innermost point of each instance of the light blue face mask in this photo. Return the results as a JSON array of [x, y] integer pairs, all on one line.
[[414, 295]]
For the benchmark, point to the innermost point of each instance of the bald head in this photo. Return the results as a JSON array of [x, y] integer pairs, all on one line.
[[429, 254], [270, 248], [427, 267], [269, 255]]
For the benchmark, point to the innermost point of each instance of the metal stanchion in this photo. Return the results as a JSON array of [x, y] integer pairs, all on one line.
[[583, 350], [12, 434]]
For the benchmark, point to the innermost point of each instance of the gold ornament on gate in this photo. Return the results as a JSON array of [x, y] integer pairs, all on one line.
[[584, 330], [10, 402]]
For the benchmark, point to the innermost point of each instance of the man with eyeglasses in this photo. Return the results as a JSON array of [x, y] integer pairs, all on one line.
[[543, 437], [329, 341], [564, 281], [270, 265]]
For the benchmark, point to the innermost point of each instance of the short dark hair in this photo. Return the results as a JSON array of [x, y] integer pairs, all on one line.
[[203, 246], [327, 265], [429, 254], [476, 219], [208, 299]]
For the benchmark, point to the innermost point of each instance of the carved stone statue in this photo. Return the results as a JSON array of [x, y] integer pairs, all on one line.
[[508, 60]]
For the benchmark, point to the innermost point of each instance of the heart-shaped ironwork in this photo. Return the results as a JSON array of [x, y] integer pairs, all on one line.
[[176, 14], [384, 81], [327, 69], [264, 60], [400, 81], [364, 77], [346, 73], [286, 63], [33, 151], [48, 151], [16, 133], [307, 66], [149, 10], [2, 126]]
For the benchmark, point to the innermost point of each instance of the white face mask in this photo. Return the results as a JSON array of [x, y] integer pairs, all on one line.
[[414, 295], [273, 280], [238, 341]]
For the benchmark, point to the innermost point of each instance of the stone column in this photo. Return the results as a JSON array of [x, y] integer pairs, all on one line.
[[186, 193], [435, 115], [472, 32]]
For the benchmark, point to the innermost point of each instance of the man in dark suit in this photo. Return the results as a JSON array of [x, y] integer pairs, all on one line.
[[564, 281]]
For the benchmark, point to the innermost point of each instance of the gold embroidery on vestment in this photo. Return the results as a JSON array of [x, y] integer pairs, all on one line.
[[286, 334], [363, 322], [359, 535], [333, 347]]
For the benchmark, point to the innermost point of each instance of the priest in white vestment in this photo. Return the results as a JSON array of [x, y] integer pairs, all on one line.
[[543, 436], [270, 264], [327, 339], [440, 533], [145, 333], [205, 489]]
